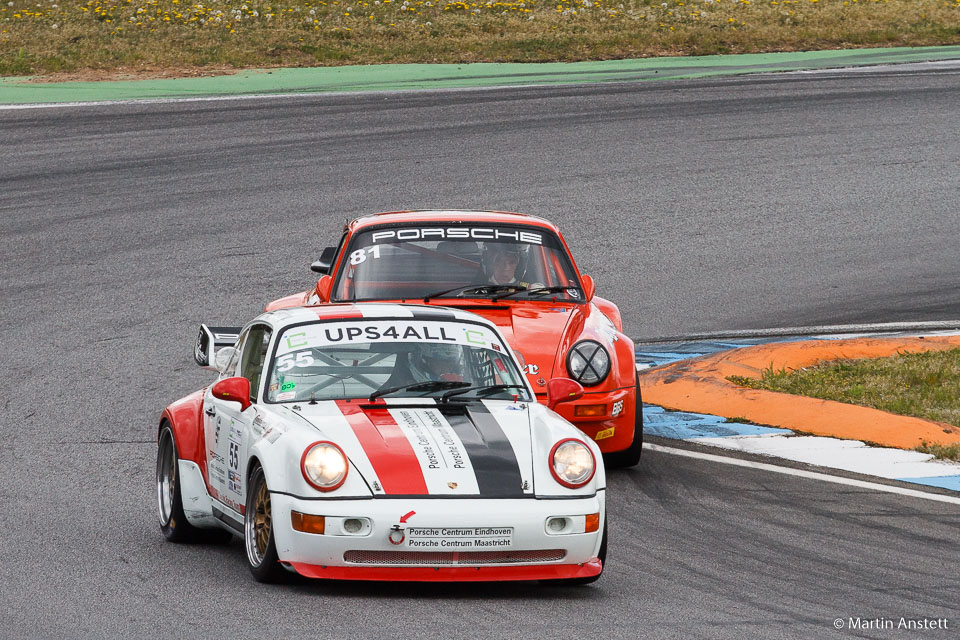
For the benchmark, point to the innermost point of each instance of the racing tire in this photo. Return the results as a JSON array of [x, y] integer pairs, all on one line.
[[602, 555], [630, 456], [173, 522], [258, 539]]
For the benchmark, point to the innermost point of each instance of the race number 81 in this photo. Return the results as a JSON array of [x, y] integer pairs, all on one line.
[[360, 255]]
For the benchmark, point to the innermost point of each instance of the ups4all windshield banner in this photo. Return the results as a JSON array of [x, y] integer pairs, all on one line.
[[413, 330]]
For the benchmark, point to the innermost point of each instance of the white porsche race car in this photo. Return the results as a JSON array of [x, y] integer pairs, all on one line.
[[381, 442]]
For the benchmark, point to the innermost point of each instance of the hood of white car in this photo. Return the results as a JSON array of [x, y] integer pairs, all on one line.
[[415, 447]]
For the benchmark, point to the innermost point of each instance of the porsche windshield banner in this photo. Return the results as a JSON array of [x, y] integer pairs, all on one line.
[[391, 236], [400, 330]]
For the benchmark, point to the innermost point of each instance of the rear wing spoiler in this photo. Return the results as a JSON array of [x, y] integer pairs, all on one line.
[[211, 340]]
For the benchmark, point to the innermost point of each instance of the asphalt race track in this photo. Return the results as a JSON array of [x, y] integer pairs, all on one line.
[[743, 203]]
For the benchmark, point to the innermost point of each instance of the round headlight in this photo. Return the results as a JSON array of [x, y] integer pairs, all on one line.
[[588, 363], [324, 466], [572, 463]]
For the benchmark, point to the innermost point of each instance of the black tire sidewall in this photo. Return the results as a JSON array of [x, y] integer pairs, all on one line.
[[177, 528]]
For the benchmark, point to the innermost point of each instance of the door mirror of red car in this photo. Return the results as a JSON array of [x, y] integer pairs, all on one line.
[[589, 287], [324, 285], [234, 390], [325, 262], [563, 390]]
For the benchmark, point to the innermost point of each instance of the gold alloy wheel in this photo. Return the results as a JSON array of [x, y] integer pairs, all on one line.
[[258, 521], [261, 519]]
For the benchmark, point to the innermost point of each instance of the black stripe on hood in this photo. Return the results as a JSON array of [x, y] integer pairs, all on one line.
[[432, 313], [492, 456]]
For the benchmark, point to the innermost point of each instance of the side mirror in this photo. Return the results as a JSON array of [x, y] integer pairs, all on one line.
[[233, 390], [323, 264], [210, 341], [222, 358], [324, 286], [589, 288], [563, 390]]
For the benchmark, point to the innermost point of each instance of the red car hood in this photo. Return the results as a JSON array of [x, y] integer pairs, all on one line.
[[533, 331]]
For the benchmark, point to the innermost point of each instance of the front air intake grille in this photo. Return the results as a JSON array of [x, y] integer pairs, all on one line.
[[470, 558]]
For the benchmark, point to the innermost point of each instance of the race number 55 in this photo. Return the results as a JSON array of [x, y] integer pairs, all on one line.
[[291, 360]]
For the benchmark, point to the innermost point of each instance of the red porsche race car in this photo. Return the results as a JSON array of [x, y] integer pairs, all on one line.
[[516, 271]]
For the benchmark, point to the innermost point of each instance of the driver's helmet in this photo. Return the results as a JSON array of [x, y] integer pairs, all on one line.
[[434, 361], [503, 262]]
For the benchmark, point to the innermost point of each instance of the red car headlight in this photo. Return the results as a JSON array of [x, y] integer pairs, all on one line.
[[588, 363], [324, 466]]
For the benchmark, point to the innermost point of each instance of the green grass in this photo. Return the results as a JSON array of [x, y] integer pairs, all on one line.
[[947, 452], [924, 385], [88, 38]]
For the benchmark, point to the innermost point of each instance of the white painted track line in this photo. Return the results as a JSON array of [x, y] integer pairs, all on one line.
[[813, 475]]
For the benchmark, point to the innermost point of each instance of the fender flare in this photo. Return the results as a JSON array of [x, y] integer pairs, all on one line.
[[185, 419], [610, 310]]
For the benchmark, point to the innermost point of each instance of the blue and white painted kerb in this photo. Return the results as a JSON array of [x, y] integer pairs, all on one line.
[[848, 455]]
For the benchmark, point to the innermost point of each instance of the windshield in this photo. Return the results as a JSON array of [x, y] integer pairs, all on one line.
[[458, 261], [392, 358]]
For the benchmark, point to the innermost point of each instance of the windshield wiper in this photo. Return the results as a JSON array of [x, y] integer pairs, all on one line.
[[483, 289], [482, 391], [534, 291], [431, 385]]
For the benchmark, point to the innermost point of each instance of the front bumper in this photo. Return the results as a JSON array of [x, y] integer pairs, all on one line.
[[613, 428], [532, 552]]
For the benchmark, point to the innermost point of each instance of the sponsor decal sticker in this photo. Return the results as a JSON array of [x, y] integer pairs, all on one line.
[[288, 386], [606, 433], [442, 456], [459, 537], [286, 395], [617, 408], [296, 340], [233, 482]]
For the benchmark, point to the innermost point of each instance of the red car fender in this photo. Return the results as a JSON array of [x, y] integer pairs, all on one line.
[[185, 419], [295, 300], [610, 310], [584, 325]]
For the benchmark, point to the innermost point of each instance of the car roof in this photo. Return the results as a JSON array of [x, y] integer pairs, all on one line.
[[369, 311], [491, 217]]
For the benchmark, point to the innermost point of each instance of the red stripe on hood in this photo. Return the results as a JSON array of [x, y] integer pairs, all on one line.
[[387, 448]]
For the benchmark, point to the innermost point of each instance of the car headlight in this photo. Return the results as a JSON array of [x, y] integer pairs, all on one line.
[[588, 363], [572, 463], [324, 466]]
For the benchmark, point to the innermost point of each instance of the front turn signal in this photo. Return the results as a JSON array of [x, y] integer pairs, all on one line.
[[309, 524], [593, 523], [590, 410]]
